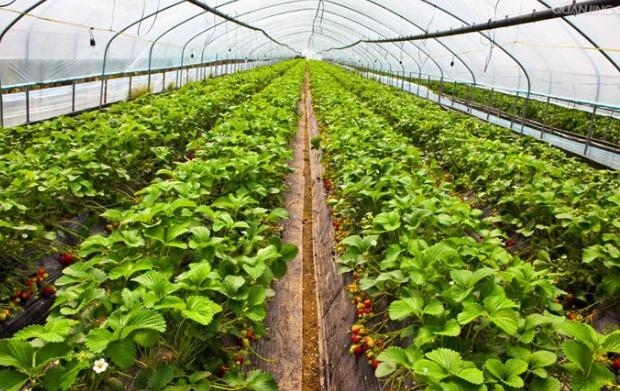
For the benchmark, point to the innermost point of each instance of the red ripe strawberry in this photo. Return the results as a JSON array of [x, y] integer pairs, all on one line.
[[374, 363], [25, 295], [356, 328], [357, 350], [615, 363], [48, 291], [356, 338], [31, 281], [66, 259], [356, 276], [41, 271], [367, 303], [221, 371], [359, 312], [571, 315], [249, 333]]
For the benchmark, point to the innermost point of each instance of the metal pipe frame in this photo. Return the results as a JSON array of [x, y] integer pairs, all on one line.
[[400, 16], [297, 10], [340, 25], [535, 16]]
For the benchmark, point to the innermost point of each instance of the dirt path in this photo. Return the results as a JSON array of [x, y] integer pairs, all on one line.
[[282, 346], [311, 359], [309, 318]]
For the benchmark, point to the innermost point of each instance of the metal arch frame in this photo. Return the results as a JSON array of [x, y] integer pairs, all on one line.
[[378, 22], [267, 16], [272, 15], [363, 52], [587, 37], [2, 34], [351, 20], [471, 72], [332, 22], [502, 48], [161, 36], [594, 44], [193, 2], [379, 54], [485, 35], [121, 31]]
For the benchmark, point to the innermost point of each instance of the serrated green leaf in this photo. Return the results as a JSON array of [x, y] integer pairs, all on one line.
[[549, 384], [54, 330], [542, 358], [447, 358], [394, 354], [579, 354], [201, 309], [98, 339], [288, 252], [122, 353], [471, 375], [430, 369], [261, 381], [385, 369], [139, 319], [611, 342], [233, 283], [403, 308], [11, 380], [580, 331], [160, 378], [471, 311]]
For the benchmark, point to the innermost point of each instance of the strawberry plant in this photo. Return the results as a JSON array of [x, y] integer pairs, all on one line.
[[564, 211], [60, 168], [454, 308], [553, 115], [161, 299]]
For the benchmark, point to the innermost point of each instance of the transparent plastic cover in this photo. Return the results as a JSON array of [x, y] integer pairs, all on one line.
[[575, 57]]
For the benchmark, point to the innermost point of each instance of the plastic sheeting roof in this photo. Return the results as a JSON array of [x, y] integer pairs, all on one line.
[[575, 56]]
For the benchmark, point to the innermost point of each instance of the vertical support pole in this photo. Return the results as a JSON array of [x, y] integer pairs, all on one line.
[[611, 116], [105, 92], [590, 129], [512, 113], [27, 105], [454, 93], [418, 83], [544, 119], [163, 81], [1, 109], [73, 96], [130, 83], [490, 103], [525, 107], [410, 78], [428, 91]]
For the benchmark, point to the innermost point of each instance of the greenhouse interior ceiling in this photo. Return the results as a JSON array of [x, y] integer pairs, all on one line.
[[557, 48]]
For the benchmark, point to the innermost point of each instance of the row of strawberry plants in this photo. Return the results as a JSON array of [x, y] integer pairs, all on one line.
[[174, 296], [442, 304], [60, 168], [552, 115], [548, 202]]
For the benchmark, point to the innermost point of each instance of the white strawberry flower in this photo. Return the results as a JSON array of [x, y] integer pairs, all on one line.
[[100, 365]]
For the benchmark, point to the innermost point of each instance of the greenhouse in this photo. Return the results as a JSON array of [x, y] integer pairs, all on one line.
[[310, 195]]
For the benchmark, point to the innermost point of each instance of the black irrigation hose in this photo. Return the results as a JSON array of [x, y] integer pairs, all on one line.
[[535, 16]]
